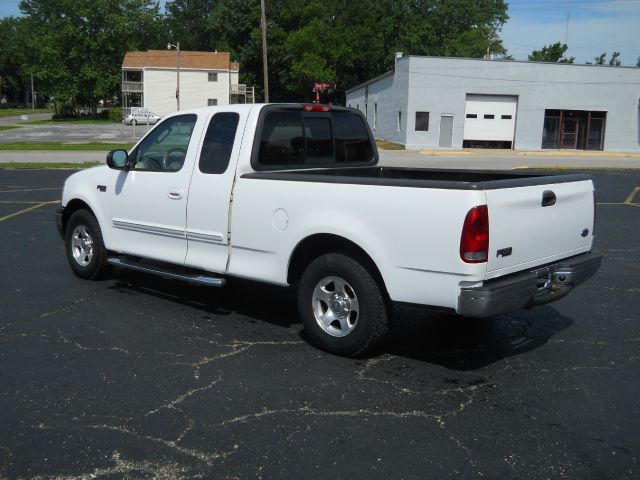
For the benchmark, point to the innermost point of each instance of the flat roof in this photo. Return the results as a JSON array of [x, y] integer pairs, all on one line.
[[368, 82], [525, 62]]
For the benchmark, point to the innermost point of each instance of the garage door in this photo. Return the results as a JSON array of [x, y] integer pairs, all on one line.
[[490, 118]]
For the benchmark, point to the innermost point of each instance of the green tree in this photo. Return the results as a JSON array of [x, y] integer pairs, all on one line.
[[614, 62], [79, 45], [14, 67], [551, 53], [336, 41], [602, 60], [188, 21], [599, 60]]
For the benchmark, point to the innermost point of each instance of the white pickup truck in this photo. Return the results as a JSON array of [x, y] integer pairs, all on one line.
[[291, 194]]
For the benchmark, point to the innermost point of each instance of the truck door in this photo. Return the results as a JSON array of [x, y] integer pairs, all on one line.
[[149, 202], [210, 192]]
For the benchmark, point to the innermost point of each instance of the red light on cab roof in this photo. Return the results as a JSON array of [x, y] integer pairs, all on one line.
[[316, 108]]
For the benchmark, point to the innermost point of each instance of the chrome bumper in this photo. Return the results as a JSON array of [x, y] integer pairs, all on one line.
[[527, 289]]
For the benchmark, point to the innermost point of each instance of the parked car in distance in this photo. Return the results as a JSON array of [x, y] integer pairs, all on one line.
[[142, 118]]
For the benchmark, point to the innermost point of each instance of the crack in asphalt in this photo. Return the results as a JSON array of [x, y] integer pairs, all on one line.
[[205, 457], [182, 397], [237, 347]]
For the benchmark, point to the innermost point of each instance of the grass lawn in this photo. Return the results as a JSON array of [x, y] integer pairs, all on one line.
[[8, 112], [82, 147], [7, 127], [43, 165], [385, 145]]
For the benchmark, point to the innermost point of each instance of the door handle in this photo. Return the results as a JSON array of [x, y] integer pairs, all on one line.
[[175, 193], [548, 198]]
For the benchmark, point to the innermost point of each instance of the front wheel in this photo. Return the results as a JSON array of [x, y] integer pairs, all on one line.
[[342, 306], [85, 248]]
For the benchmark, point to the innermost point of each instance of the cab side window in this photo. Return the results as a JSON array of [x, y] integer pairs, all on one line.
[[218, 143], [165, 148]]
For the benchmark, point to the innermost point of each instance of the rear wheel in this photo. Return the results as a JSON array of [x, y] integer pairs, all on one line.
[[342, 306], [85, 248]]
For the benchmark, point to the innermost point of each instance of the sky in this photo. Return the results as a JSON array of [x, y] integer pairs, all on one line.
[[595, 26]]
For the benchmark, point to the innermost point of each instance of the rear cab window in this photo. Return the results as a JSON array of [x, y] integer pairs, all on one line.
[[295, 136]]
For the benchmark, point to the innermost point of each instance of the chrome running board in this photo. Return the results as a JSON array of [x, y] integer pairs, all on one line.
[[196, 278]]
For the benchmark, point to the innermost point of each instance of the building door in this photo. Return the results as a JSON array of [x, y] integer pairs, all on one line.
[[569, 132], [446, 131], [490, 121]]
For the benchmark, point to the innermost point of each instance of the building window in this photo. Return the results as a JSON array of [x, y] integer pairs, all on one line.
[[399, 120], [489, 117], [472, 115], [212, 102], [574, 129], [213, 77], [422, 121], [506, 117], [375, 116]]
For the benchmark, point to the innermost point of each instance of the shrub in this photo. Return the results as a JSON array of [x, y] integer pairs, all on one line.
[[115, 114]]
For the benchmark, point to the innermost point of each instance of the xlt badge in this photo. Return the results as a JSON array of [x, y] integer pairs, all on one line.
[[504, 252]]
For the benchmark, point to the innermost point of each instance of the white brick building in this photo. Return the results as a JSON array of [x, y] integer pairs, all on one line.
[[437, 102], [206, 78]]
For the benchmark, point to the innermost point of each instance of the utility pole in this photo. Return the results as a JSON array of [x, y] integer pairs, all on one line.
[[33, 98], [566, 31], [265, 68], [177, 47]]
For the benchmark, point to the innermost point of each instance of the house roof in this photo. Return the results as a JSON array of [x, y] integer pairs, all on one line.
[[188, 59]]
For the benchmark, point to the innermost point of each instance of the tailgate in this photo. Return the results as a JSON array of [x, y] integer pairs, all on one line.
[[533, 225]]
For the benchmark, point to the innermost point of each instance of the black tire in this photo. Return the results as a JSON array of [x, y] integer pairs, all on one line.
[[84, 246], [348, 335]]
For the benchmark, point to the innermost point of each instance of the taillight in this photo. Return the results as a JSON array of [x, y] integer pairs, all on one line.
[[316, 108], [474, 242]]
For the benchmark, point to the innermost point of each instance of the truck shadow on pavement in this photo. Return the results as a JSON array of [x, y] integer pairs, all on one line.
[[468, 344], [448, 340], [267, 303]]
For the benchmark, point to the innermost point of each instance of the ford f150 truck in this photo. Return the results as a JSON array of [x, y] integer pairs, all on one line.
[[292, 194]]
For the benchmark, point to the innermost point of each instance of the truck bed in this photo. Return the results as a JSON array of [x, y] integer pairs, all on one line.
[[420, 178]]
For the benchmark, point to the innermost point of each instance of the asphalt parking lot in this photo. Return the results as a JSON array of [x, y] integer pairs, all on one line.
[[70, 132], [139, 377]]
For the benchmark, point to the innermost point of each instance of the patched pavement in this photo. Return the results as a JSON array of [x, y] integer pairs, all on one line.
[[139, 377]]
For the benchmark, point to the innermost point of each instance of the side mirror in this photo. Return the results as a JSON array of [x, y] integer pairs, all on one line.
[[118, 159]]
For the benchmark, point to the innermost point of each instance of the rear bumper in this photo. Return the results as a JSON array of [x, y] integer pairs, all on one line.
[[525, 289]]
